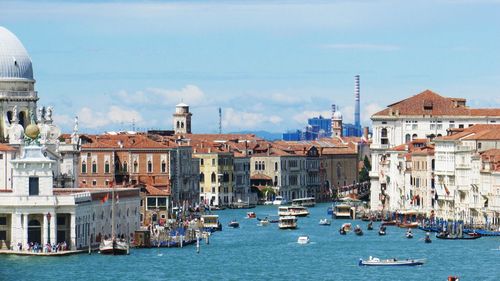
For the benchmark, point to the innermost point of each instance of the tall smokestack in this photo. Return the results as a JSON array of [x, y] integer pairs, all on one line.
[[357, 122], [333, 112]]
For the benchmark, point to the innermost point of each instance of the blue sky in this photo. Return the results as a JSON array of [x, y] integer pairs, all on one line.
[[269, 64]]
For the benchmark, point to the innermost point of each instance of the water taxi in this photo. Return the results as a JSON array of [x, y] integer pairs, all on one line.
[[298, 211], [305, 202], [390, 262], [288, 222], [303, 240], [343, 211]]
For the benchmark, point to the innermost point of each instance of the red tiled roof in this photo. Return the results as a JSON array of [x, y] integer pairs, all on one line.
[[476, 132], [123, 141], [6, 147], [260, 177], [153, 191], [430, 103]]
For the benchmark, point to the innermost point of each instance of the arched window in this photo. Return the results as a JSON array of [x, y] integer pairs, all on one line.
[[125, 168], [407, 138], [106, 167], [202, 162], [212, 177], [182, 124], [275, 166], [414, 136], [94, 167], [150, 167], [163, 166], [178, 124], [22, 118], [263, 165], [202, 177], [84, 167], [256, 166], [136, 167]]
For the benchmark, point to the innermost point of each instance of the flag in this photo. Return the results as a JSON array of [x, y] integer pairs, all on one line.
[[104, 199]]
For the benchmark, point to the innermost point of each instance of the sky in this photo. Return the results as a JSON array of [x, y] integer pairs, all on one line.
[[270, 65]]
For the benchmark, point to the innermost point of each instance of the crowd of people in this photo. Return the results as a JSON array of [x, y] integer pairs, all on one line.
[[36, 247]]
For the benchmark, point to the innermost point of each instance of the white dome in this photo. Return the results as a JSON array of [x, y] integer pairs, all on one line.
[[182, 105], [337, 115], [15, 63]]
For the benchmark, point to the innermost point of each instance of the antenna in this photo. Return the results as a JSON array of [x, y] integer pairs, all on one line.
[[220, 120]]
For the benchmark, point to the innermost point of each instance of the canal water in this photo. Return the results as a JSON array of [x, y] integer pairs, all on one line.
[[254, 252]]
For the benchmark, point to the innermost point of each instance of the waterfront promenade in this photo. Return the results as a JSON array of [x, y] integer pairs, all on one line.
[[252, 252]]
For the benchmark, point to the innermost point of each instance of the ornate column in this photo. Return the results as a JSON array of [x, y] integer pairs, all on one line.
[[53, 227], [72, 232]]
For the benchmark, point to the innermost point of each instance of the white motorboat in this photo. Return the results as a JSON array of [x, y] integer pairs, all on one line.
[[298, 211], [306, 202], [303, 239], [325, 222], [287, 222], [278, 200], [390, 262], [268, 202]]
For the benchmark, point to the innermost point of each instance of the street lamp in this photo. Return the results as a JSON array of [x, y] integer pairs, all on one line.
[[48, 220]]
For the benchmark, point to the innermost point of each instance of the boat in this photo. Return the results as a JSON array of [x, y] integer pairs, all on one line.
[[113, 246], [263, 222], [427, 238], [278, 200], [251, 215], [347, 226], [303, 240], [211, 223], [370, 226], [240, 204], [409, 234], [234, 224], [358, 231], [342, 231], [408, 225], [388, 222], [452, 237], [305, 202], [268, 202], [343, 211], [381, 231], [298, 211], [390, 262], [325, 222], [287, 222]]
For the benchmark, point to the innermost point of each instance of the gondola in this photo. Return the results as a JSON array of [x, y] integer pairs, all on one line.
[[448, 237]]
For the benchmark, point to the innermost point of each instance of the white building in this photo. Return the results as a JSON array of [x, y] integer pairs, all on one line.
[[426, 115], [33, 211]]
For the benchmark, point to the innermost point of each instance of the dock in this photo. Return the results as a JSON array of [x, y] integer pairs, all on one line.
[[49, 254]]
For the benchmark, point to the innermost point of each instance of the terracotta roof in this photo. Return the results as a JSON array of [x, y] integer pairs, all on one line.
[[124, 141], [430, 103], [153, 191], [476, 132]]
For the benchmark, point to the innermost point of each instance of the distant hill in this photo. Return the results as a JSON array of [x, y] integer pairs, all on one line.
[[263, 134]]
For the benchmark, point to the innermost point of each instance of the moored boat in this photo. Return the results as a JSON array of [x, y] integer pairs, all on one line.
[[390, 262], [114, 247], [287, 222]]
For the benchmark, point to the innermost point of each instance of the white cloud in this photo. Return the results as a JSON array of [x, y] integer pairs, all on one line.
[[362, 46], [91, 119], [368, 110], [233, 119], [302, 117], [286, 99], [63, 120], [190, 94]]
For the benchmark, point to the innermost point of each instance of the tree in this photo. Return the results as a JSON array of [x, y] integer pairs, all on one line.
[[364, 174]]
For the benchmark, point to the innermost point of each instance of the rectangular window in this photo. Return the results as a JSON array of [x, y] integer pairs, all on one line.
[[3, 221], [61, 220], [3, 235], [1, 155], [162, 203], [151, 203], [33, 186]]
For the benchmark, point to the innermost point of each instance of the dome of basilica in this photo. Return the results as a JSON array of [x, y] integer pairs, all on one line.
[[15, 63]]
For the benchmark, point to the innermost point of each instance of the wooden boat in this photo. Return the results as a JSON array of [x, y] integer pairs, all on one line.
[[325, 222], [114, 247], [234, 224], [391, 222], [450, 237], [390, 262], [408, 224], [288, 222]]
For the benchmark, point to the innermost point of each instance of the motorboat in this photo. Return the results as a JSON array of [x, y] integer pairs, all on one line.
[[427, 238], [370, 226], [268, 202], [390, 262], [297, 211], [342, 231], [347, 226], [211, 223], [234, 224], [343, 211], [114, 246], [325, 222], [358, 231], [251, 215], [409, 234], [287, 222], [381, 231], [263, 222], [278, 200], [303, 239]]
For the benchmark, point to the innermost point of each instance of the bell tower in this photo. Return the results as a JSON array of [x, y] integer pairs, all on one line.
[[182, 119]]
